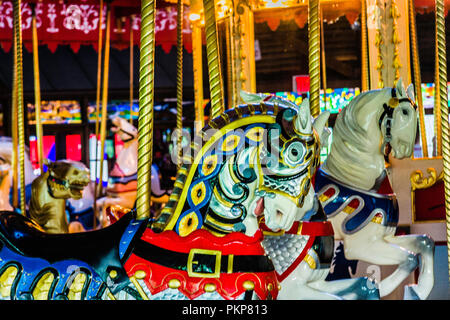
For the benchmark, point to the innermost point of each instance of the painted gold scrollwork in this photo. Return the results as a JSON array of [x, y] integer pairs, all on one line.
[[418, 181]]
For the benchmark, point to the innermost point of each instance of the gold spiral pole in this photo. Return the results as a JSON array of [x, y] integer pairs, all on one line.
[[437, 101], [364, 51], [97, 108], [417, 77], [230, 60], [314, 56], [146, 84], [131, 69], [212, 54], [179, 80], [20, 104], [323, 63], [198, 75], [104, 118], [14, 133], [37, 94], [442, 76], [99, 74]]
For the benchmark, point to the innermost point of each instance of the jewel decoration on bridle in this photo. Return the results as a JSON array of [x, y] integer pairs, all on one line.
[[388, 112]]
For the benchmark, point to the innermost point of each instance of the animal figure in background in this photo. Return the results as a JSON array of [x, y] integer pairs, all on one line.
[[302, 253], [63, 180], [6, 148], [355, 191], [252, 161], [122, 185]]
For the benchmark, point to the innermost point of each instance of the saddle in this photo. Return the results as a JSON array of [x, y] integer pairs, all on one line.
[[99, 248]]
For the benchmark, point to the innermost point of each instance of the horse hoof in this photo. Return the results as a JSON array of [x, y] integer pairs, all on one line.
[[410, 293]]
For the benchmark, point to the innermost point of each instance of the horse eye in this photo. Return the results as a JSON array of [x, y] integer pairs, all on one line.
[[405, 112]]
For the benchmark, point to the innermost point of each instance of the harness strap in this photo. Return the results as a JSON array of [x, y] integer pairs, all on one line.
[[389, 111]]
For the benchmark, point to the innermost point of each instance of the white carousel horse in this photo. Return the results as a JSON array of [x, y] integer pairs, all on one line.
[[6, 148], [122, 185], [349, 187], [302, 253]]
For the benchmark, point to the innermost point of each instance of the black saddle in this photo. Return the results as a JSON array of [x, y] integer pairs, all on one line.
[[99, 249]]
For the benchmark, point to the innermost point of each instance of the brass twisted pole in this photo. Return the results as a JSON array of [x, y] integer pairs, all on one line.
[[146, 84], [417, 77], [20, 104], [437, 101], [323, 62], [37, 93], [364, 52], [131, 68], [104, 118], [179, 119], [314, 56], [442, 77], [99, 73], [14, 133], [212, 54], [198, 76]]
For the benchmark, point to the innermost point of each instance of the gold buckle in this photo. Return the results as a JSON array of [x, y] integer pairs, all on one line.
[[190, 262]]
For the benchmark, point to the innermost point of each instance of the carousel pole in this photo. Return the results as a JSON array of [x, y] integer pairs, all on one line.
[[364, 54], [99, 72], [198, 75], [20, 104], [442, 77], [97, 106], [14, 124], [179, 119], [146, 95], [230, 61], [37, 92], [417, 77], [212, 53], [323, 64], [131, 69], [314, 56], [104, 118]]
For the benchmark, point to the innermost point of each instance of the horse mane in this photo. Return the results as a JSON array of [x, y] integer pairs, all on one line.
[[347, 127], [218, 123]]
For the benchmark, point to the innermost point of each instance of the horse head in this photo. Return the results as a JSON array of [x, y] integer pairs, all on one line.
[[372, 125], [126, 131], [398, 121], [67, 179], [254, 161]]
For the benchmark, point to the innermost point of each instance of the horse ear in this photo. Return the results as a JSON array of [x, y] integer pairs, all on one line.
[[303, 120], [400, 88], [321, 129], [410, 92], [248, 97]]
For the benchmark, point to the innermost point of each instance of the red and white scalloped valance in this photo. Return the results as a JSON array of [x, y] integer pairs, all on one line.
[[76, 23]]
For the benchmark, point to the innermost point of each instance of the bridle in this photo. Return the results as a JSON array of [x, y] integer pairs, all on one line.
[[388, 112]]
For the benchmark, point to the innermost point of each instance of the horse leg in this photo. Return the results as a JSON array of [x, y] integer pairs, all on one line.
[[369, 245], [297, 285], [424, 246]]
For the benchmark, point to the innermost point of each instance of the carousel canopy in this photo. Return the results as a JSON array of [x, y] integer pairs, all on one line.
[[76, 22]]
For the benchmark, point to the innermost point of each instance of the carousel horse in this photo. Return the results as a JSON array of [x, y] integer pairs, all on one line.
[[354, 189], [6, 148], [252, 161], [122, 186], [62, 180], [302, 255], [80, 212]]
